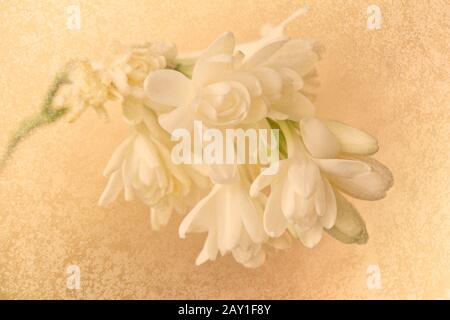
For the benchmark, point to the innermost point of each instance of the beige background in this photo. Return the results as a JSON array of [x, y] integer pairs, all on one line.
[[393, 82]]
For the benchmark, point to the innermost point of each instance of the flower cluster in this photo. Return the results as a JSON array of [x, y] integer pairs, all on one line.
[[268, 83]]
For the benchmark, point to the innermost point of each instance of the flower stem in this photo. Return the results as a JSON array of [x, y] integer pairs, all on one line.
[[292, 147], [47, 115], [185, 69], [282, 147]]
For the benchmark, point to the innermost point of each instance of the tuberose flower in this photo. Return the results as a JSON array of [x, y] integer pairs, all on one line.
[[233, 221], [141, 166], [89, 87], [228, 88], [128, 66], [264, 84], [119, 77], [302, 193]]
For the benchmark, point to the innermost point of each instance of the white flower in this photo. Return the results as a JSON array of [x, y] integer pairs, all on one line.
[[283, 67], [299, 196], [118, 78], [211, 96], [141, 166], [342, 153], [253, 255], [128, 66], [88, 88], [264, 84], [233, 221], [229, 89], [301, 193]]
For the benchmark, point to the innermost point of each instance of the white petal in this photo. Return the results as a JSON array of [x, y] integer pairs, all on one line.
[[145, 152], [129, 168], [256, 260], [282, 242], [132, 110], [177, 118], [311, 237], [117, 158], [271, 81], [343, 167], [112, 189], [249, 81], [275, 222], [211, 70], [228, 217], [145, 174], [353, 140], [368, 186], [276, 115], [305, 215], [297, 55], [264, 53], [128, 192], [318, 139], [287, 198], [160, 216], [131, 163], [224, 44], [209, 251], [169, 87], [248, 254], [252, 216], [261, 182], [320, 202], [304, 175], [151, 122], [199, 219], [258, 111], [295, 80], [328, 219], [223, 173], [270, 32], [295, 105]]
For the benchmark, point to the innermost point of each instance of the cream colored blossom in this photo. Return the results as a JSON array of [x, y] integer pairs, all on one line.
[[233, 221], [128, 66], [141, 167], [325, 157], [88, 88], [342, 153], [119, 77], [229, 89], [263, 84]]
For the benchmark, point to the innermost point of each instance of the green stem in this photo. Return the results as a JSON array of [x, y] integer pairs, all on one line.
[[290, 141], [282, 147], [185, 69], [47, 115]]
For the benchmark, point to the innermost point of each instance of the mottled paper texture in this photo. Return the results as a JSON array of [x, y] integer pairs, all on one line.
[[392, 81]]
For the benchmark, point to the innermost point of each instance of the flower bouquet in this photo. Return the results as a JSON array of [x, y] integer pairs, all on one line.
[[227, 137]]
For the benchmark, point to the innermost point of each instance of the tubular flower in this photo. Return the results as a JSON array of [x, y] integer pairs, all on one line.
[[323, 158], [228, 88], [230, 228], [89, 87], [141, 167], [220, 105]]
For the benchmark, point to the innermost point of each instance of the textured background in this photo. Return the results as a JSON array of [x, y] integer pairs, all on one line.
[[393, 82]]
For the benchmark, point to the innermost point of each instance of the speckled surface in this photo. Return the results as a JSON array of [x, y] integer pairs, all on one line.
[[394, 82]]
